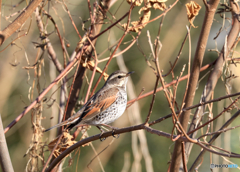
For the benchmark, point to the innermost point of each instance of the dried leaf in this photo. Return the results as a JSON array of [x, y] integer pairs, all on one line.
[[156, 4], [192, 11], [161, 6], [142, 21], [65, 143], [90, 65], [135, 2]]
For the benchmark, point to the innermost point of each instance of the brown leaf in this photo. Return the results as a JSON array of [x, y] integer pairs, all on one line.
[[65, 143], [156, 4], [160, 6], [142, 22], [135, 2], [90, 65], [192, 11]]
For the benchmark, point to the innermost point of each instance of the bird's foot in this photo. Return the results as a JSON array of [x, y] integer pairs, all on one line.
[[113, 133], [100, 137]]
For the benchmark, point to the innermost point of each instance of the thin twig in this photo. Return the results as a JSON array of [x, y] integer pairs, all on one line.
[[171, 83], [70, 16], [41, 96], [194, 106], [156, 83], [105, 30], [185, 93], [219, 131], [100, 153], [65, 53], [51, 154], [119, 43], [123, 51], [94, 71], [179, 53], [50, 48], [143, 89], [225, 109], [199, 158]]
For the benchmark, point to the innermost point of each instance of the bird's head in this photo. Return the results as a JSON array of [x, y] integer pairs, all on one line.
[[118, 78]]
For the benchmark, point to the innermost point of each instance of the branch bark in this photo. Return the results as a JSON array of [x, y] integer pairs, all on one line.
[[5, 159], [215, 74], [134, 128], [197, 63], [18, 22], [96, 27], [199, 158], [40, 97]]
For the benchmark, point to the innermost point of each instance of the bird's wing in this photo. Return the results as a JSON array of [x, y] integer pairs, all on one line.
[[96, 104], [100, 103]]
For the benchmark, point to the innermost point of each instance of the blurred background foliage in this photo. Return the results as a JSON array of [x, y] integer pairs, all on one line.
[[15, 82]]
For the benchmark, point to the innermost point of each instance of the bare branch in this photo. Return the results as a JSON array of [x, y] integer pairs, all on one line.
[[215, 74], [18, 22], [5, 159], [41, 96], [197, 161], [196, 66]]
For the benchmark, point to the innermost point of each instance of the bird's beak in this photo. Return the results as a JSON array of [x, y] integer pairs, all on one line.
[[129, 73]]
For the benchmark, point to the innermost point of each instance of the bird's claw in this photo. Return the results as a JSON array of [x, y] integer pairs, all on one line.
[[102, 138], [113, 134]]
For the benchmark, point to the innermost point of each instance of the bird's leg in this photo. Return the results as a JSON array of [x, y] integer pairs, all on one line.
[[100, 137], [113, 130]]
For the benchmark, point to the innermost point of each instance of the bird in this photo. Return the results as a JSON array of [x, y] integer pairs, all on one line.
[[104, 107]]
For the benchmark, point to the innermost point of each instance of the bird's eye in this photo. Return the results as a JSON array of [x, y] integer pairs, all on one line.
[[119, 76]]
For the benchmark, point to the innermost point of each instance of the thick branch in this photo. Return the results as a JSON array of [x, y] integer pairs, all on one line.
[[197, 63], [129, 129], [215, 74], [80, 75], [18, 22]]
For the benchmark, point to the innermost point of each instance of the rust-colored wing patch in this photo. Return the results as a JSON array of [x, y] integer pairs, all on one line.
[[100, 103]]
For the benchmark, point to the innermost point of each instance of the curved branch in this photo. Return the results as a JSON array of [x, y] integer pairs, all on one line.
[[18, 22], [196, 162], [195, 72], [215, 75], [129, 129], [41, 96], [89, 139]]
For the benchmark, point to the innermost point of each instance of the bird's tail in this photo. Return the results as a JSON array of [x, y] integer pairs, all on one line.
[[72, 121], [56, 126]]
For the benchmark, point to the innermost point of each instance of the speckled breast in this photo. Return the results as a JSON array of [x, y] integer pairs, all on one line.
[[114, 111]]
